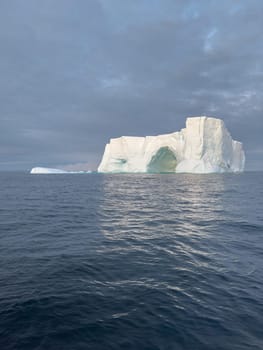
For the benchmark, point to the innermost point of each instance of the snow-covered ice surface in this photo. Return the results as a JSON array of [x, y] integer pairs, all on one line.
[[40, 170], [204, 146]]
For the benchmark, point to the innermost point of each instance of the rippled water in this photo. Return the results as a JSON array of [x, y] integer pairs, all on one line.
[[131, 261]]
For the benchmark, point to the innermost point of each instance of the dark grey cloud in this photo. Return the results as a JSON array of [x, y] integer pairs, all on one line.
[[74, 73]]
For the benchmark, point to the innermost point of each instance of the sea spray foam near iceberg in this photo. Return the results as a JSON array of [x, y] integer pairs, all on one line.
[[203, 146]]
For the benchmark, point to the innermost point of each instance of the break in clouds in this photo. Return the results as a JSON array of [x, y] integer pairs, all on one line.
[[76, 73]]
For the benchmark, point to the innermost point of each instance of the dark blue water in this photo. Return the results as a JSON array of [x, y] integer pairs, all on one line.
[[131, 261]]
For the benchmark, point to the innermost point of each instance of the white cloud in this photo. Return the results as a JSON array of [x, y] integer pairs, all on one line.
[[209, 40]]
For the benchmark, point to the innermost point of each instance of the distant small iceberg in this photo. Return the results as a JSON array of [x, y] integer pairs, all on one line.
[[41, 170]]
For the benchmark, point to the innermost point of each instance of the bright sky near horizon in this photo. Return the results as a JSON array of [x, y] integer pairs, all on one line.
[[75, 73]]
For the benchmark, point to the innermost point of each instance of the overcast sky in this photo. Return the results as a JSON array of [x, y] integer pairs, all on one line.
[[74, 73]]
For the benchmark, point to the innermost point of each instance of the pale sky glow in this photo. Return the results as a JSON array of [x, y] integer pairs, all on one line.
[[75, 73]]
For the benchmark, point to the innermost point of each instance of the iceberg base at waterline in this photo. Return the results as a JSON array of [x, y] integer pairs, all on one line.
[[203, 146]]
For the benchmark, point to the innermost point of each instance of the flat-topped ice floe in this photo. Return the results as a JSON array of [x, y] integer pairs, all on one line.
[[40, 170], [204, 146]]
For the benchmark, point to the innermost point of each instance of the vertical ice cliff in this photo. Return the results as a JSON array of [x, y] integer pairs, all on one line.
[[204, 146]]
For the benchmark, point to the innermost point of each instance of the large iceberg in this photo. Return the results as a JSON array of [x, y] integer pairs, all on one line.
[[204, 146]]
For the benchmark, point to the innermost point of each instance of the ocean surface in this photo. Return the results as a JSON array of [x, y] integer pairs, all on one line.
[[93, 261]]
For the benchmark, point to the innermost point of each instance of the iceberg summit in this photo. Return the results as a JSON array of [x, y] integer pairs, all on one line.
[[203, 146]]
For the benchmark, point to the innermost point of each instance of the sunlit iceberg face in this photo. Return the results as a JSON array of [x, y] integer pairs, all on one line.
[[204, 146]]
